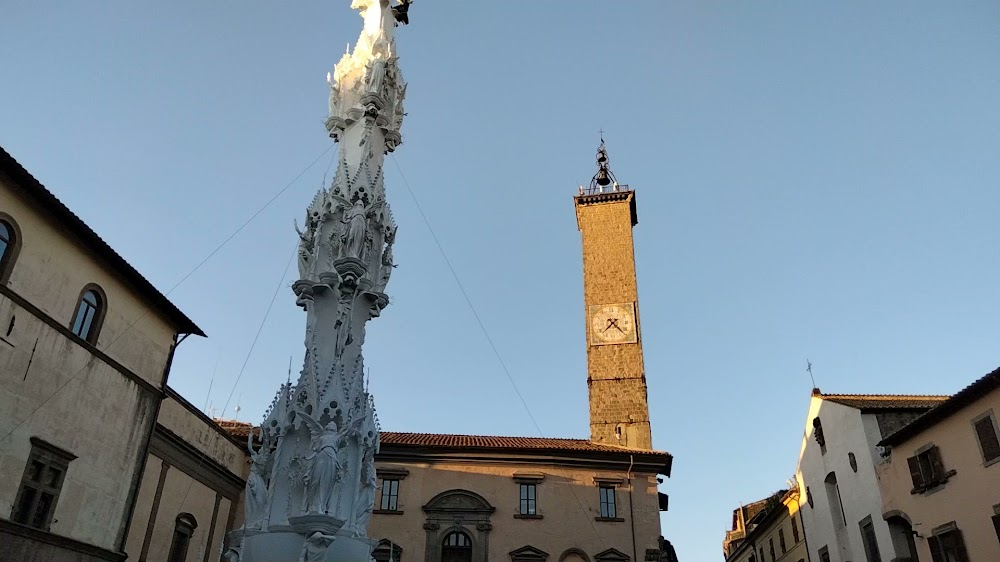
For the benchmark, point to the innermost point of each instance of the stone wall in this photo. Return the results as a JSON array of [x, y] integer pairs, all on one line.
[[616, 375]]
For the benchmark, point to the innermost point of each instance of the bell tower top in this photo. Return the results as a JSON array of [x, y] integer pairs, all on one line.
[[616, 379]]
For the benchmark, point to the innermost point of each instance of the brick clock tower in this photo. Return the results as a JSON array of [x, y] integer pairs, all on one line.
[[616, 378]]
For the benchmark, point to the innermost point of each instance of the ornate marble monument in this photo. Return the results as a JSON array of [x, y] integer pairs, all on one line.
[[311, 488]]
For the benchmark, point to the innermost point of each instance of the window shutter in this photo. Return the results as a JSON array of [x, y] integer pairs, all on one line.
[[935, 546], [988, 438], [915, 472], [936, 464], [960, 551]]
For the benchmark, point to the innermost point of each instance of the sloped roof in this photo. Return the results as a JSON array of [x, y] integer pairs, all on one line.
[[484, 442], [870, 402], [962, 398], [75, 225]]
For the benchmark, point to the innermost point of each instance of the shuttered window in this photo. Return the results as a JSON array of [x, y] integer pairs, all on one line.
[[986, 432], [948, 546], [869, 540], [927, 470]]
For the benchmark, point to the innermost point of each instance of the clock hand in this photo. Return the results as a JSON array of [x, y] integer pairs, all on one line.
[[611, 322]]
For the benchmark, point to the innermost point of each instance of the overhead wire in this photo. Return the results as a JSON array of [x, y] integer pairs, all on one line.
[[177, 284], [486, 334]]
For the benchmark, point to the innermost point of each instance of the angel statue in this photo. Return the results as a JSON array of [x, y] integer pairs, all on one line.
[[256, 494], [324, 469], [355, 222]]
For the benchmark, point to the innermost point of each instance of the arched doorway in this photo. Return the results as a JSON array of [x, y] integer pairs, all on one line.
[[458, 527], [456, 547]]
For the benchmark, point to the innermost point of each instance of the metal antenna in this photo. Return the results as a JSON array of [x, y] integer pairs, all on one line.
[[289, 381], [809, 369]]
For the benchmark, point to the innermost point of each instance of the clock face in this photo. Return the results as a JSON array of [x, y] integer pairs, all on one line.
[[612, 323]]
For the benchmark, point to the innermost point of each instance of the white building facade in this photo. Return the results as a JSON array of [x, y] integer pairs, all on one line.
[[842, 512]]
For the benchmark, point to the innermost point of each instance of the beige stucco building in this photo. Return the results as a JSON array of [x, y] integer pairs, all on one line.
[[769, 530], [101, 459], [191, 492], [85, 348], [941, 480]]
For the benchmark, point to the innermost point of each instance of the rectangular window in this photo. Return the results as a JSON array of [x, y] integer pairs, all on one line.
[[869, 540], [996, 525], [948, 546], [927, 470], [527, 499], [795, 530], [41, 484], [781, 540], [770, 543], [608, 509], [762, 559], [986, 433], [390, 495], [824, 554]]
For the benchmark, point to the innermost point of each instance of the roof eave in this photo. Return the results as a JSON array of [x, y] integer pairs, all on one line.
[[34, 189]]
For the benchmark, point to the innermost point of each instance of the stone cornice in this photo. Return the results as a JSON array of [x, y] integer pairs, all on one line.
[[600, 461], [186, 457]]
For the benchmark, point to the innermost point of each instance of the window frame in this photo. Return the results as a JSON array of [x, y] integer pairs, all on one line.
[[824, 553], [947, 532], [996, 436], [97, 322], [180, 542], [10, 253], [608, 502], [527, 499], [927, 469], [49, 457], [795, 530], [389, 503], [781, 541], [770, 547], [870, 556]]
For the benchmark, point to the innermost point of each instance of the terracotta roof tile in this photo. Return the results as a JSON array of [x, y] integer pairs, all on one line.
[[885, 401], [241, 429], [961, 399]]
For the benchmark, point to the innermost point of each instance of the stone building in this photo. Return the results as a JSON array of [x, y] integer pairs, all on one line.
[[85, 348], [191, 492], [940, 482], [457, 498], [769, 530], [842, 515]]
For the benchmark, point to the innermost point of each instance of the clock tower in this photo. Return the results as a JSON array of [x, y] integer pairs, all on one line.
[[616, 378]]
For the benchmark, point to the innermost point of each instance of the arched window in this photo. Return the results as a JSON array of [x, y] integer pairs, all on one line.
[[184, 527], [89, 313], [457, 547], [10, 243]]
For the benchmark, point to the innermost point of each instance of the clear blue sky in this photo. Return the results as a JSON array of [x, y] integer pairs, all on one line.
[[813, 181]]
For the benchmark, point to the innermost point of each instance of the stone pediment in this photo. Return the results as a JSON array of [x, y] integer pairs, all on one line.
[[611, 555], [528, 553], [458, 501]]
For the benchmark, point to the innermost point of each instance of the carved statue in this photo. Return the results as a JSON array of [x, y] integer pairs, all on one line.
[[355, 227], [343, 327], [314, 548], [231, 555], [256, 494], [334, 95], [366, 495], [386, 264], [307, 245], [376, 76], [324, 469]]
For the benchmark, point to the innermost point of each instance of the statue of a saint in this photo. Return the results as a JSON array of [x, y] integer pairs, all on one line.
[[356, 219], [324, 470], [256, 494], [365, 501]]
